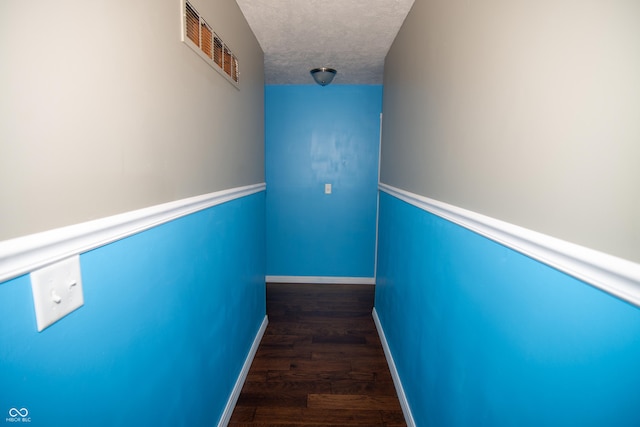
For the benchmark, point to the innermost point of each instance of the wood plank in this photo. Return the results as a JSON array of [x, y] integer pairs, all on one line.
[[280, 387], [290, 399], [325, 365], [371, 388], [311, 416], [353, 401], [271, 364]]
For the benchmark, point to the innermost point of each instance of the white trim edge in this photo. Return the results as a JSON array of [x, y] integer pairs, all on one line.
[[242, 377], [404, 403], [24, 254], [608, 273], [329, 280]]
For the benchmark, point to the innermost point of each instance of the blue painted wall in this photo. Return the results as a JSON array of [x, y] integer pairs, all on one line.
[[484, 336], [317, 135], [169, 317]]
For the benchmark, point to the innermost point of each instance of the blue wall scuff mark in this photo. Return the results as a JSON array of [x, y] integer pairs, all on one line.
[[169, 317], [484, 336], [317, 135]]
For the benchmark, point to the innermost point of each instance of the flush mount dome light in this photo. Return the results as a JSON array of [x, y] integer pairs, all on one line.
[[323, 75]]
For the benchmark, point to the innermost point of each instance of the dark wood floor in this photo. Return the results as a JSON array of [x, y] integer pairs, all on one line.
[[320, 362]]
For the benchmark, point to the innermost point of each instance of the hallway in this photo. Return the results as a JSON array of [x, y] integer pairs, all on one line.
[[482, 173], [320, 362]]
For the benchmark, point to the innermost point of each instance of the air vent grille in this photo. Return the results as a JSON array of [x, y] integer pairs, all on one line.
[[206, 36], [199, 36], [191, 24], [217, 51]]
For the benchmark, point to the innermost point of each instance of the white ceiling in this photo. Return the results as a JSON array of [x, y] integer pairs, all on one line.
[[352, 36]]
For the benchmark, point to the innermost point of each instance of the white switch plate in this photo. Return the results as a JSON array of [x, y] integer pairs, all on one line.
[[327, 189], [57, 291]]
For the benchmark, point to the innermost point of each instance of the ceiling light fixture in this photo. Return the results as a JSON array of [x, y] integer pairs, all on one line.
[[323, 75]]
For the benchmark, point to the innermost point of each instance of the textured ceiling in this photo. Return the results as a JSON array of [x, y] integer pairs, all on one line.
[[352, 36]]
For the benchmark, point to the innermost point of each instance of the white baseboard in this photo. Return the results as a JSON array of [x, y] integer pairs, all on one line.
[[237, 388], [404, 403], [322, 280]]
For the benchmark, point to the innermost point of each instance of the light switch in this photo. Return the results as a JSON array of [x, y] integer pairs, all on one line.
[[327, 189], [57, 291]]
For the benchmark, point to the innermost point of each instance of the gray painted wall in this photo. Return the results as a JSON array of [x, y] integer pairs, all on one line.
[[104, 110], [528, 112]]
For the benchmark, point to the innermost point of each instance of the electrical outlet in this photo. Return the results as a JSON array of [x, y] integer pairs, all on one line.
[[57, 291], [327, 189]]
